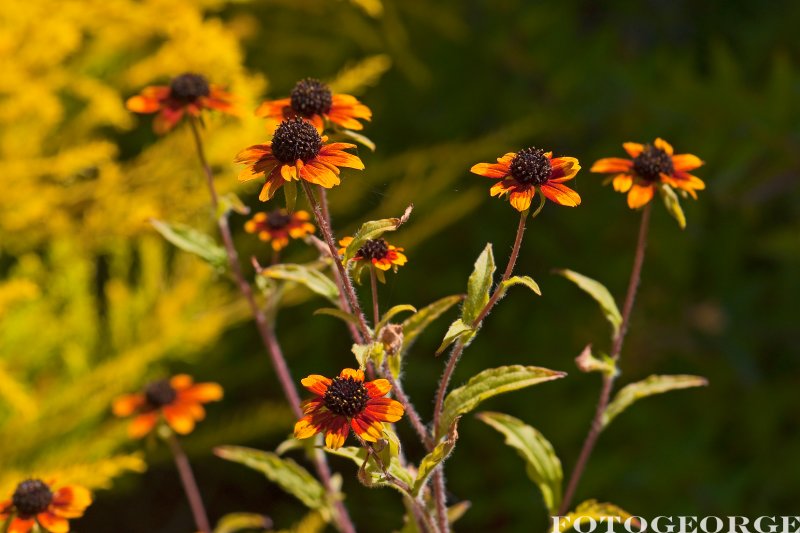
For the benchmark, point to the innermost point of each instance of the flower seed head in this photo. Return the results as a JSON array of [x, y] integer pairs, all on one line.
[[159, 393], [296, 139], [531, 167], [346, 396], [653, 162], [32, 497], [189, 87], [374, 249], [311, 97]]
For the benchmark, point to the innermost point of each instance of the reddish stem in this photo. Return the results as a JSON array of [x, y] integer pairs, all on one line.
[[189, 485]]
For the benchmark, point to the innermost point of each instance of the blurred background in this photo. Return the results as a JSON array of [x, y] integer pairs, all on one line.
[[93, 303]]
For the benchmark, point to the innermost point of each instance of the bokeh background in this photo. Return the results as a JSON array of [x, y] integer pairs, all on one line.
[[93, 303]]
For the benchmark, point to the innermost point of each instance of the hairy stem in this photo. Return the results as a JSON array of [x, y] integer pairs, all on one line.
[[189, 485], [608, 380], [265, 331], [411, 412], [373, 282]]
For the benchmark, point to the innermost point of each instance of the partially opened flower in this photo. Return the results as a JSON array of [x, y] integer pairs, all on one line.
[[187, 93], [35, 502], [312, 100], [278, 226], [346, 402], [650, 166], [177, 400], [378, 252], [522, 173], [297, 151]]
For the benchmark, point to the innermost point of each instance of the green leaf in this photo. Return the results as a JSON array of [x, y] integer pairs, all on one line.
[[436, 457], [391, 313], [286, 473], [311, 278], [648, 387], [673, 204], [233, 522], [230, 202], [586, 362], [527, 281], [457, 330], [366, 352], [193, 241], [371, 473], [599, 292], [479, 286], [490, 383], [338, 313], [359, 138], [541, 463], [372, 230], [595, 510], [414, 325], [290, 191]]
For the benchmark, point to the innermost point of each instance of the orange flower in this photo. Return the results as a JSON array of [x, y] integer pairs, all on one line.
[[346, 402], [187, 93], [651, 165], [34, 502], [179, 400], [313, 101], [378, 252], [522, 174], [279, 225], [297, 151]]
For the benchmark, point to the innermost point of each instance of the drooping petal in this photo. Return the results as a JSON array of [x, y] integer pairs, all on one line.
[[316, 383], [686, 162], [312, 405], [622, 182], [202, 393], [339, 158], [142, 425], [639, 195], [633, 149], [336, 434], [70, 501], [564, 169], [179, 418], [367, 428], [273, 108], [502, 187], [128, 404], [21, 525], [612, 164], [305, 427], [521, 200], [385, 409], [53, 523], [356, 373], [561, 194], [378, 388], [142, 104], [491, 170], [319, 174]]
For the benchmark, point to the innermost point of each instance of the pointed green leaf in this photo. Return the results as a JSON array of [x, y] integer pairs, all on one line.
[[193, 241], [541, 462], [286, 473], [598, 291], [592, 509], [338, 313], [479, 286], [457, 330], [490, 383], [648, 387], [367, 352], [436, 457], [360, 139], [414, 325], [233, 522], [527, 281], [373, 475], [391, 313], [673, 204], [230, 202], [372, 230], [311, 278]]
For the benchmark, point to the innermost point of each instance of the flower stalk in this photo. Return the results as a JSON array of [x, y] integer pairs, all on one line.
[[189, 484]]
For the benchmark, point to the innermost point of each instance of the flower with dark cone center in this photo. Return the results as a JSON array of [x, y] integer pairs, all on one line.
[[296, 139], [32, 497], [278, 219], [346, 396], [653, 162], [189, 87], [311, 97], [531, 167], [159, 393], [374, 249]]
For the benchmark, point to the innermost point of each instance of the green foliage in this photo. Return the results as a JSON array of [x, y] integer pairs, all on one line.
[[541, 462], [648, 387], [525, 281], [309, 277], [392, 312], [592, 509], [233, 522], [414, 325], [436, 457], [478, 287], [490, 383], [372, 230], [193, 241], [458, 330], [602, 296], [673, 204]]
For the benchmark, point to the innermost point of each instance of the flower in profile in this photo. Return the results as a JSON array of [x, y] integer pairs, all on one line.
[[522, 173], [378, 252], [297, 151], [188, 93], [650, 166], [278, 226], [35, 502], [178, 400], [313, 101], [346, 402]]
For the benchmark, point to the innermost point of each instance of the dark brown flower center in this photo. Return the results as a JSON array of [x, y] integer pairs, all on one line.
[[374, 249], [346, 396], [653, 162], [32, 497], [278, 219], [189, 87], [531, 167], [296, 139], [159, 393], [311, 97]]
